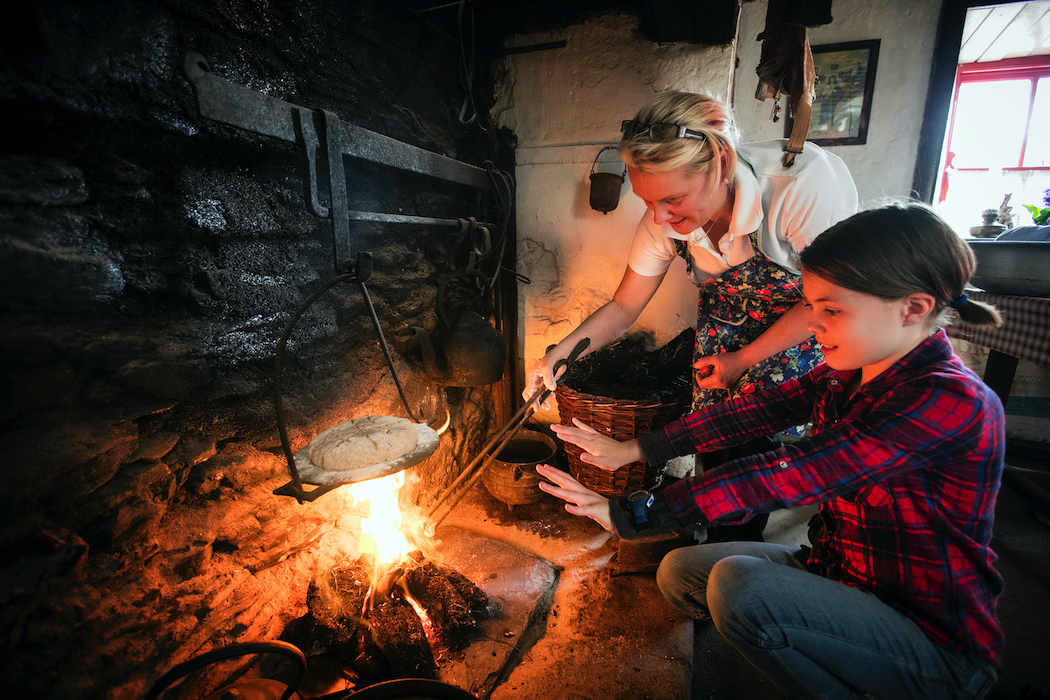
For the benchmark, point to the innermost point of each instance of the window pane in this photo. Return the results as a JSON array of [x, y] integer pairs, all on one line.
[[989, 123], [1037, 152]]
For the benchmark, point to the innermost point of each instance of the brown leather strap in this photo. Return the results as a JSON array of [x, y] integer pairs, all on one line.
[[803, 92]]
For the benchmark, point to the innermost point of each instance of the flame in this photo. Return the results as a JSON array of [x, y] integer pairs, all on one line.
[[381, 531], [448, 420], [432, 404], [424, 617]]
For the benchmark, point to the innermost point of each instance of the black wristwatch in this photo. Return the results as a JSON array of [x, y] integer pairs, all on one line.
[[639, 501]]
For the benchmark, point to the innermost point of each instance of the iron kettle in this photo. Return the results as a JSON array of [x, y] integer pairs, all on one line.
[[467, 351]]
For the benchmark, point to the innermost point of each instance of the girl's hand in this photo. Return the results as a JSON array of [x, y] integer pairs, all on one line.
[[719, 371], [600, 450], [579, 499]]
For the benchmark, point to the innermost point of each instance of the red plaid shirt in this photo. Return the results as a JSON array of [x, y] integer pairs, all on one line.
[[906, 470]]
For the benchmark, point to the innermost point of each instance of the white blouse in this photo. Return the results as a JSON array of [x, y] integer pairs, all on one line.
[[789, 207]]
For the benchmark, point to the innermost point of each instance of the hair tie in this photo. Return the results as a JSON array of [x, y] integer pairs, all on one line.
[[960, 301]]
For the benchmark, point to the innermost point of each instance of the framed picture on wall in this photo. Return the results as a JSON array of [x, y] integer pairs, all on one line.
[[845, 85]]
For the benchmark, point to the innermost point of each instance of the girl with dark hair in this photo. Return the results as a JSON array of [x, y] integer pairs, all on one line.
[[896, 596]]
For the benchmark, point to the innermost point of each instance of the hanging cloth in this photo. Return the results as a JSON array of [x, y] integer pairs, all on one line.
[[785, 65]]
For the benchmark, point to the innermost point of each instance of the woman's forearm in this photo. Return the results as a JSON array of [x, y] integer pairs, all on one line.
[[788, 331], [602, 327]]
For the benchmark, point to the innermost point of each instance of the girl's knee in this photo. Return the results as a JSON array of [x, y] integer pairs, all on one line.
[[670, 575], [672, 569], [734, 583], [726, 578], [682, 583]]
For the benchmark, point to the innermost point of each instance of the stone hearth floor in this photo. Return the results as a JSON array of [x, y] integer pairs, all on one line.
[[605, 636], [613, 637]]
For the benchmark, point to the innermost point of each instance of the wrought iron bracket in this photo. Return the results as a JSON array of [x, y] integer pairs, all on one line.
[[222, 101], [324, 140]]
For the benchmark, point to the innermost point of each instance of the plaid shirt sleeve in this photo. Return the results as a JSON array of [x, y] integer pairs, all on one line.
[[907, 470], [737, 490]]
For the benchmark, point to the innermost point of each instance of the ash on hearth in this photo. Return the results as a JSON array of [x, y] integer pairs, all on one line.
[[396, 624]]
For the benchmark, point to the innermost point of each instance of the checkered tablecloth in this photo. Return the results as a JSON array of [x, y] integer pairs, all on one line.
[[1025, 333]]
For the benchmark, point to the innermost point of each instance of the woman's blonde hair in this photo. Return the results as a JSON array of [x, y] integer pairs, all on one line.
[[699, 113], [898, 250]]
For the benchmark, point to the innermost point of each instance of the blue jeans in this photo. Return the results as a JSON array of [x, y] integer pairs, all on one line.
[[811, 636]]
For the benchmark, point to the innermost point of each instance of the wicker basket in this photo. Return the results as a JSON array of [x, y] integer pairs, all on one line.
[[622, 419]]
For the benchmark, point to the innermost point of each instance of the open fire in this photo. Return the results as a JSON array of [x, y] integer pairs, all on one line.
[[381, 528], [391, 613], [383, 538]]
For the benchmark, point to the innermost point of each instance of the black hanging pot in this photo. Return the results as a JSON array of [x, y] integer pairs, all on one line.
[[605, 187]]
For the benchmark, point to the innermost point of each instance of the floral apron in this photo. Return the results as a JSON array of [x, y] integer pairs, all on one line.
[[737, 306]]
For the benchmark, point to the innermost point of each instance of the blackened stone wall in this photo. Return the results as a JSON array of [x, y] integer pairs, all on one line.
[[148, 261]]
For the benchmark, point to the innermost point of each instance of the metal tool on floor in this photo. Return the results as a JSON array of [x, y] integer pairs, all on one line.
[[451, 496], [258, 688]]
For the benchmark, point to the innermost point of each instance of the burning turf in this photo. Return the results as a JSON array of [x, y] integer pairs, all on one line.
[[396, 624]]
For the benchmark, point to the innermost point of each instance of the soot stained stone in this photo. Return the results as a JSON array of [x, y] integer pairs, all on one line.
[[149, 260]]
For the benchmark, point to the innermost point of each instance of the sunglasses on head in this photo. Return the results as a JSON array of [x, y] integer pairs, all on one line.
[[658, 132]]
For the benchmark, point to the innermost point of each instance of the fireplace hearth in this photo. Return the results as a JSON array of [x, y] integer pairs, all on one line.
[[473, 634], [150, 259]]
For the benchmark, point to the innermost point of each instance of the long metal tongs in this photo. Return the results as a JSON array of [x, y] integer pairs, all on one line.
[[452, 495]]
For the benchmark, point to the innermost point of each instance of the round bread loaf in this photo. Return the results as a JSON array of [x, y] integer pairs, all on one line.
[[363, 442]]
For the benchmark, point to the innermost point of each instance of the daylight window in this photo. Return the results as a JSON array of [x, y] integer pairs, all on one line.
[[998, 141]]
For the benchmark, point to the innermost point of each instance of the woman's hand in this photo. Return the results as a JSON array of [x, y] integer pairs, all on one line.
[[719, 371], [605, 325], [579, 499], [600, 450], [542, 374], [724, 371]]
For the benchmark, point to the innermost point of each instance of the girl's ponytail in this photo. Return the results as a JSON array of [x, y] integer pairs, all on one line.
[[898, 250], [977, 312]]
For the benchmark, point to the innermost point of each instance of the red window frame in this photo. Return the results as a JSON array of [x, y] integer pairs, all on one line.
[[1031, 68]]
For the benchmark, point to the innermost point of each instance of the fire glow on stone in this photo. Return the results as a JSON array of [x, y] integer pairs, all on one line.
[[381, 531]]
